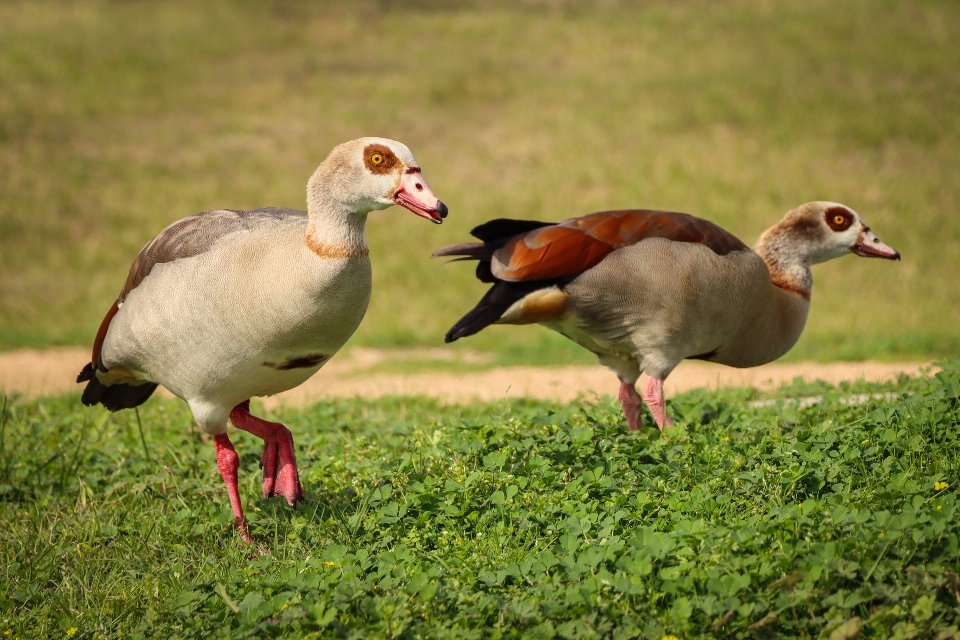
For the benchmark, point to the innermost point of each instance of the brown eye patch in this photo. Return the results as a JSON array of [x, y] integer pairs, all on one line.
[[838, 218], [379, 159]]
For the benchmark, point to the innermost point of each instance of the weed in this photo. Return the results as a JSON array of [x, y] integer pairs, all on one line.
[[513, 519]]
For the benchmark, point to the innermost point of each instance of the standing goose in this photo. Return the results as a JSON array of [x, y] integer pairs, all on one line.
[[226, 305], [644, 290]]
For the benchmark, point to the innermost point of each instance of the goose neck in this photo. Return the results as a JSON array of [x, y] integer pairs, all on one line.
[[787, 260], [336, 228]]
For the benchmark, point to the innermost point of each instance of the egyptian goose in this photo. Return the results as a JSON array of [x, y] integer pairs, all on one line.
[[644, 290], [226, 305]]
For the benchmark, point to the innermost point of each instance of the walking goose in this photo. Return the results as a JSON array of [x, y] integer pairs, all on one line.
[[644, 290], [226, 305]]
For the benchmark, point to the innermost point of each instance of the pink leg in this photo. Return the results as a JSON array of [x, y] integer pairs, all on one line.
[[653, 394], [632, 405], [280, 475], [228, 462]]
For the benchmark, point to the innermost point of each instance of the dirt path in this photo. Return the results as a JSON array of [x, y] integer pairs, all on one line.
[[53, 371]]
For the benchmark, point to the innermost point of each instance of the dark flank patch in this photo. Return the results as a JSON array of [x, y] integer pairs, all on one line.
[[709, 355], [302, 362], [379, 159], [839, 218]]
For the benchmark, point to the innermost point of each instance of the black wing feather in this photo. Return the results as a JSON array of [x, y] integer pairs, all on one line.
[[491, 307], [498, 232], [499, 298], [116, 396]]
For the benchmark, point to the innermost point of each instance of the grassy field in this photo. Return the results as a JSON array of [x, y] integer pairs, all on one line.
[[118, 118], [761, 516]]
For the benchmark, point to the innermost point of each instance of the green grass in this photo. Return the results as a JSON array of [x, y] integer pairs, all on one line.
[[515, 519], [118, 118]]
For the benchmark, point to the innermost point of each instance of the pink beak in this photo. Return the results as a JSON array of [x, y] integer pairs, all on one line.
[[869, 246], [414, 194]]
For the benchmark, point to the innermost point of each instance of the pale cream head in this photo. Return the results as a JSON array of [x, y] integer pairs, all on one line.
[[816, 232], [368, 174]]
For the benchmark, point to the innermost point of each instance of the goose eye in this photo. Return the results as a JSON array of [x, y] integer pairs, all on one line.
[[376, 159], [838, 219]]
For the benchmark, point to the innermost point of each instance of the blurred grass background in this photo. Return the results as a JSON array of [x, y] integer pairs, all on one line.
[[117, 118]]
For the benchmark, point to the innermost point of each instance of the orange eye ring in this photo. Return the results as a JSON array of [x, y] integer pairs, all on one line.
[[838, 220], [376, 159]]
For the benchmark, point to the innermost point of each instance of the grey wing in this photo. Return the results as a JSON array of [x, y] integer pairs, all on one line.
[[199, 233]]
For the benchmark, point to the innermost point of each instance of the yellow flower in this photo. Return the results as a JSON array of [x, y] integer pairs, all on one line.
[[329, 563], [939, 508], [940, 486], [882, 535], [72, 631], [723, 439], [669, 638], [285, 605]]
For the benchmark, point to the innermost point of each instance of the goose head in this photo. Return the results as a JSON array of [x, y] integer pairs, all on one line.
[[369, 174], [821, 231]]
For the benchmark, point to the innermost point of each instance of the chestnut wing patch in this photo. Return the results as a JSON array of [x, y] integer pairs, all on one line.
[[573, 246], [98, 342]]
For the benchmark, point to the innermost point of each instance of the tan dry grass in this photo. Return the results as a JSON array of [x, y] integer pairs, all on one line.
[[52, 372]]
